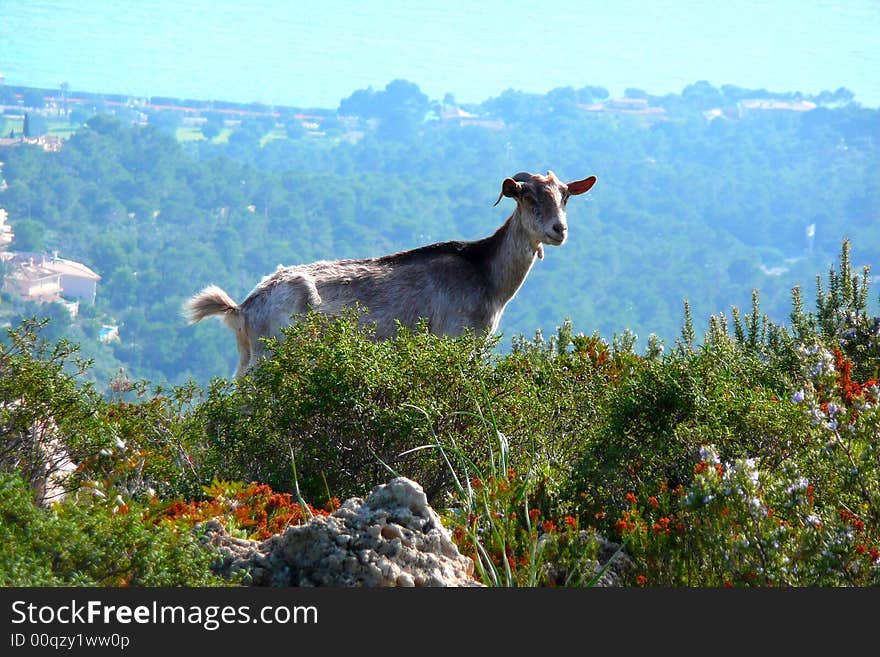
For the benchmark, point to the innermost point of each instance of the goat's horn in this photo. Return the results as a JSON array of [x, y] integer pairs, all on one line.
[[500, 196]]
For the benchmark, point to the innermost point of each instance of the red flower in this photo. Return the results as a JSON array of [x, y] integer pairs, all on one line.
[[534, 514], [631, 498], [641, 580], [652, 501], [549, 527]]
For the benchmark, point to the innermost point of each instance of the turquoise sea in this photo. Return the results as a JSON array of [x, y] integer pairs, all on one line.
[[313, 54]]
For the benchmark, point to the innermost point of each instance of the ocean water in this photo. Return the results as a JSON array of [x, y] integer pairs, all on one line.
[[313, 54]]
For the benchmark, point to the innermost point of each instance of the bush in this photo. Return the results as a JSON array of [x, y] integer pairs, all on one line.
[[751, 459], [93, 541]]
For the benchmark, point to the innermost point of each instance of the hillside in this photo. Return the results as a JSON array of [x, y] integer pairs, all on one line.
[[749, 460], [704, 195]]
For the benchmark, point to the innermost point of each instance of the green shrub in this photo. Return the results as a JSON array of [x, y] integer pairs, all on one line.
[[751, 459], [93, 541], [350, 407]]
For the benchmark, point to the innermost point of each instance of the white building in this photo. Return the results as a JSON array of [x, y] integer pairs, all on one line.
[[77, 280]]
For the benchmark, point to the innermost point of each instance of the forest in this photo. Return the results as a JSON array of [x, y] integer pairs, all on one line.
[[705, 198]]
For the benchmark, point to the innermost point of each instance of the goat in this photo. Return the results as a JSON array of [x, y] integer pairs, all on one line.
[[453, 286]]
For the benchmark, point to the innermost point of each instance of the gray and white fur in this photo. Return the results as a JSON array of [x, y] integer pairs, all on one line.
[[452, 285]]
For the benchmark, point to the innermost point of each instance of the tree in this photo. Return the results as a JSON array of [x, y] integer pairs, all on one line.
[[79, 115], [361, 103], [35, 125], [702, 95], [212, 126], [65, 91], [167, 120], [29, 235]]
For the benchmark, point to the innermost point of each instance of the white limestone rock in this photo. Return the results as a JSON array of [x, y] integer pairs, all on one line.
[[393, 538]]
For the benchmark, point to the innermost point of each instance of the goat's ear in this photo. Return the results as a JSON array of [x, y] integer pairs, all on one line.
[[581, 186], [509, 188]]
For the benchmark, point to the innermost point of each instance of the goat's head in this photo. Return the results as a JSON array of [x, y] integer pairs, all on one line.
[[541, 202]]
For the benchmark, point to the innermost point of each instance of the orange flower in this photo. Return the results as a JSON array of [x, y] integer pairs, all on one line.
[[641, 580], [534, 514], [861, 549], [599, 516], [652, 501], [549, 527], [571, 522], [631, 498]]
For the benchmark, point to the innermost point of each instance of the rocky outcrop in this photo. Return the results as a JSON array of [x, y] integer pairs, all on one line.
[[393, 538]]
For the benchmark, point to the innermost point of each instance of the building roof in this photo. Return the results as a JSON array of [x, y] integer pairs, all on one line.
[[32, 272], [70, 268]]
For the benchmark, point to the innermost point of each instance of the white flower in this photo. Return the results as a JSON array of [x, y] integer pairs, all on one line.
[[800, 484], [709, 454]]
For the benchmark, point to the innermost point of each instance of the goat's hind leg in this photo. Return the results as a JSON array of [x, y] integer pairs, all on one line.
[[295, 297]]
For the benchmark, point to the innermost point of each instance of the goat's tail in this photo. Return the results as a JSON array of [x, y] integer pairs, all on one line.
[[210, 301]]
